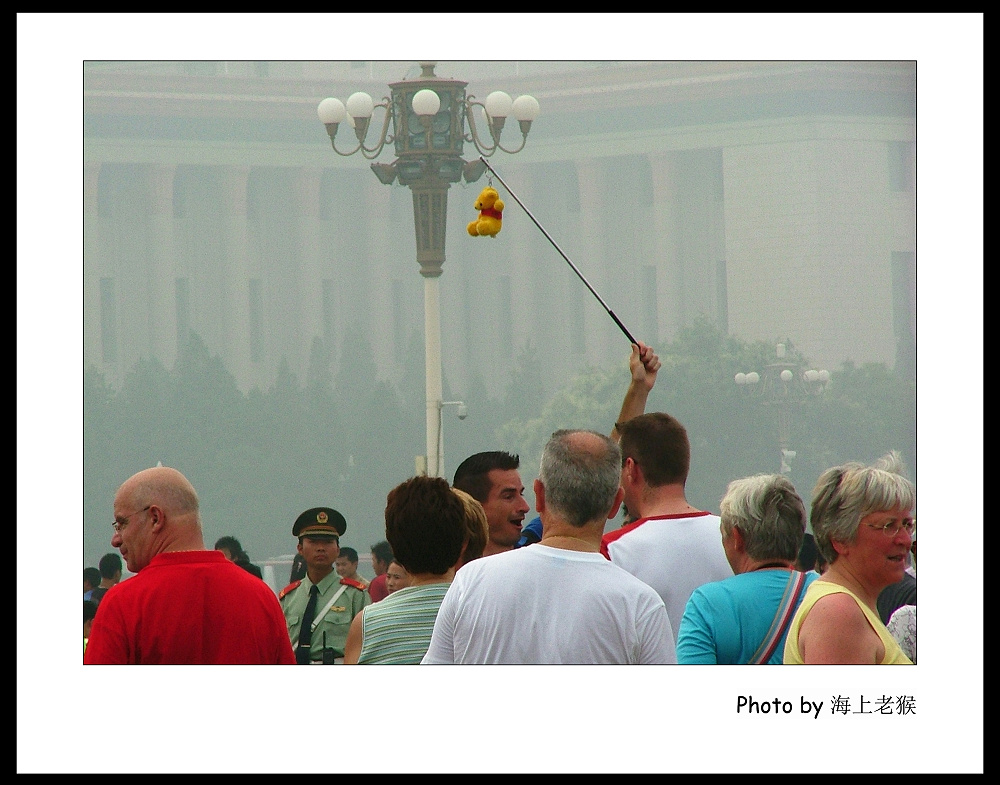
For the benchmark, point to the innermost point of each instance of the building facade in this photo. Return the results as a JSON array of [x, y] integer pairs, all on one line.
[[776, 198]]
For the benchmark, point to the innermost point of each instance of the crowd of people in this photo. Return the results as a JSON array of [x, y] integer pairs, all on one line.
[[461, 578]]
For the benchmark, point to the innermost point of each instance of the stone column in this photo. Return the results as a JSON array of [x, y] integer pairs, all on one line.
[[523, 268], [307, 223], [162, 262], [93, 264], [376, 266], [591, 260], [666, 249], [235, 308]]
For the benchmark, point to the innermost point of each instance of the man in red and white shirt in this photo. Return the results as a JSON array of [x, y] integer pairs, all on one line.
[[669, 544]]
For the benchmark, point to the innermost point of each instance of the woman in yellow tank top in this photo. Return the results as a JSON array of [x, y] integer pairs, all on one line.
[[862, 526]]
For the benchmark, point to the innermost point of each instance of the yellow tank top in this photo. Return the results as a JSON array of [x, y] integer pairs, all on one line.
[[817, 590]]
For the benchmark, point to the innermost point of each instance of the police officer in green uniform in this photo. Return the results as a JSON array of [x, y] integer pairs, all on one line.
[[337, 600]]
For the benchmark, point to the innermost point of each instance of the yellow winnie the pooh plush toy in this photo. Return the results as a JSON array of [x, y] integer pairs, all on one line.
[[490, 207]]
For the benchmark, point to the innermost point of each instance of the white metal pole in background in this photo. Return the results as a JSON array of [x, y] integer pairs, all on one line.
[[432, 368]]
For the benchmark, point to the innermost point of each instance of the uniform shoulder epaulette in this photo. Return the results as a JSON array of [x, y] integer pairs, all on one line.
[[352, 582], [289, 588]]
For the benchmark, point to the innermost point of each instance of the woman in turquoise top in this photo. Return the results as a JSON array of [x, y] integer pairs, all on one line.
[[862, 524], [743, 619]]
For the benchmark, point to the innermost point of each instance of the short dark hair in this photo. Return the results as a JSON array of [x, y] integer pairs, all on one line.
[[425, 524], [659, 444], [806, 560], [231, 544], [92, 575], [110, 565], [89, 610], [472, 474], [350, 554], [382, 551]]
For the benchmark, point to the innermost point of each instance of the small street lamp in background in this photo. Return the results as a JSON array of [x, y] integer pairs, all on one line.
[[782, 385]]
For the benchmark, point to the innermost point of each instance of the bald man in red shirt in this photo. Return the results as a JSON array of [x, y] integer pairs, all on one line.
[[186, 604]]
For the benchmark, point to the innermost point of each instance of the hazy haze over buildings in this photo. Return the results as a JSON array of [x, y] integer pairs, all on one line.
[[777, 198], [766, 181]]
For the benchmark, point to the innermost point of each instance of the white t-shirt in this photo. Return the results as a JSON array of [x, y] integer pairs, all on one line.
[[675, 554], [543, 605]]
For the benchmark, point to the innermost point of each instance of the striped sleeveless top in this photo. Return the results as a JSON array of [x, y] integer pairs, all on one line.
[[397, 630]]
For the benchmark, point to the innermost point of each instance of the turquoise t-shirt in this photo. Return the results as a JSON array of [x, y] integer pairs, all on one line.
[[725, 621]]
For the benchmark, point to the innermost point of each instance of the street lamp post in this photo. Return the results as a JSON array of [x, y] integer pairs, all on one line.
[[783, 385], [428, 118]]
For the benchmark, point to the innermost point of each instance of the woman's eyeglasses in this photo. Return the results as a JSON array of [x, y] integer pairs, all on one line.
[[891, 528]]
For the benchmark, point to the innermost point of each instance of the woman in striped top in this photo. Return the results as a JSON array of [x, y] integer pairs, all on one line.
[[426, 523]]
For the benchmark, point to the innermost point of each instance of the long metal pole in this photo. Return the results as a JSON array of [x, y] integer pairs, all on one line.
[[432, 369], [560, 250], [430, 210]]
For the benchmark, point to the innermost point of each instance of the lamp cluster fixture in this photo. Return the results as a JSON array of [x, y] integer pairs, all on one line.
[[778, 382], [427, 120], [782, 384]]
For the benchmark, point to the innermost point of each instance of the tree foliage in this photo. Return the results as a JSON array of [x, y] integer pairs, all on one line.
[[261, 458]]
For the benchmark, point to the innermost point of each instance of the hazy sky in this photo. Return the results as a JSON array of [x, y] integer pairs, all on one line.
[[246, 716]]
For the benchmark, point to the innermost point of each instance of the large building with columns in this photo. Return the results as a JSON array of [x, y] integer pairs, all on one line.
[[775, 198]]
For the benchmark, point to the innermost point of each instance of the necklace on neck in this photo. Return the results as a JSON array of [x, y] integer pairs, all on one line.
[[590, 545], [771, 564]]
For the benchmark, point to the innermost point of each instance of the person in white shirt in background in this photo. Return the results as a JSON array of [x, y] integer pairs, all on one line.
[[559, 601]]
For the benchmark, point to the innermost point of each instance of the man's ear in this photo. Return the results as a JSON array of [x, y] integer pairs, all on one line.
[[619, 498], [539, 495], [631, 471], [739, 541]]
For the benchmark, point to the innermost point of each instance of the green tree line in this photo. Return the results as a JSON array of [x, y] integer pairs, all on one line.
[[258, 459]]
